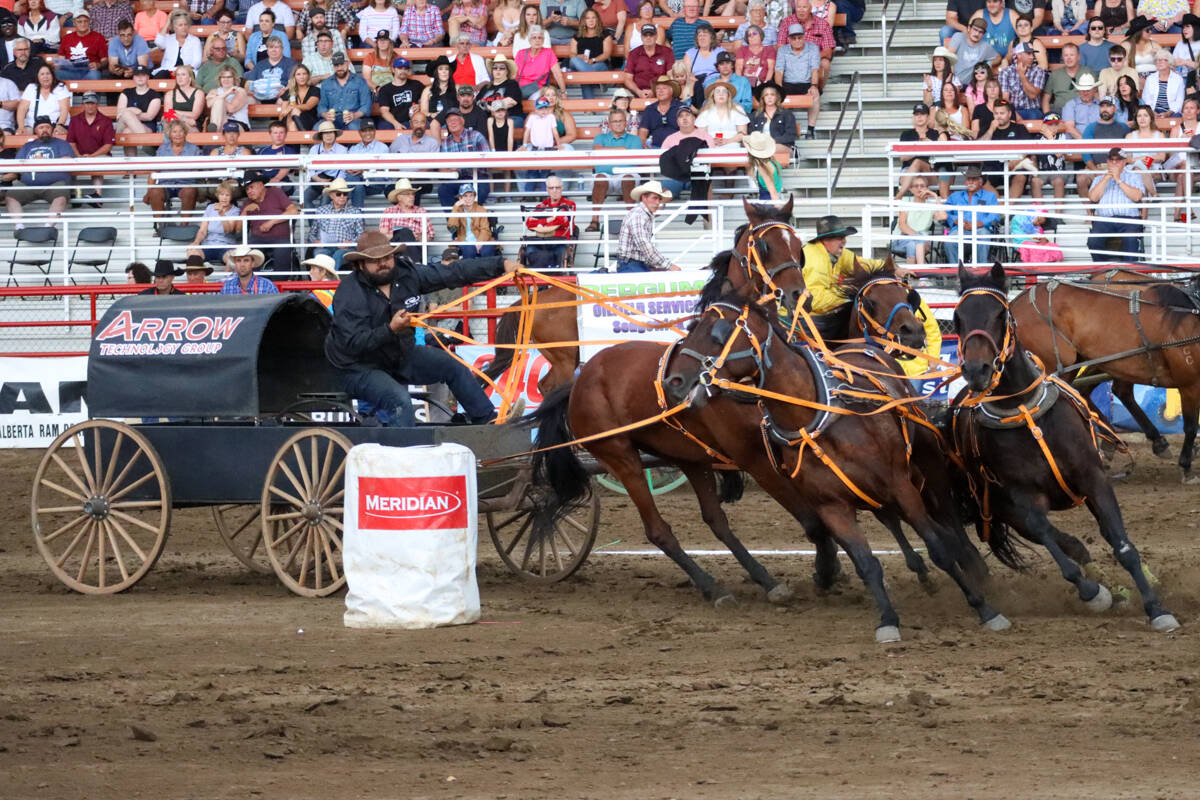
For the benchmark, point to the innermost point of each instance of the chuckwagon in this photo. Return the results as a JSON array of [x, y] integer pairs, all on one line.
[[229, 402]]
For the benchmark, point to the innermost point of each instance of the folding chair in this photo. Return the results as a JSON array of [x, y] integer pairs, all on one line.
[[177, 234], [41, 241], [93, 239]]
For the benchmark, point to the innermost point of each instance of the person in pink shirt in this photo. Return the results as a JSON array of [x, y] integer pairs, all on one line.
[[686, 120], [149, 21]]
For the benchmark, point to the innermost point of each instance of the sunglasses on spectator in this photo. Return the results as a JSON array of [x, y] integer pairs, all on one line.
[[1116, 58]]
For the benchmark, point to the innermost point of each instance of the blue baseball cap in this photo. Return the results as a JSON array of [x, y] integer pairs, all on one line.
[[398, 63], [540, 103]]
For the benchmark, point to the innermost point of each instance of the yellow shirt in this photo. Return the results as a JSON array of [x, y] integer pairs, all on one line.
[[914, 366]]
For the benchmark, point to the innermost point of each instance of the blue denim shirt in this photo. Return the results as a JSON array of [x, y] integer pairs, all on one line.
[[981, 198], [354, 96]]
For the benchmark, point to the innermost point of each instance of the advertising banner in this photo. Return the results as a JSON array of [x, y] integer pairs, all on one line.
[[40, 398], [597, 323]]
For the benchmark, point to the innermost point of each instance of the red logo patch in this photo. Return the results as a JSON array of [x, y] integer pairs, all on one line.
[[413, 504]]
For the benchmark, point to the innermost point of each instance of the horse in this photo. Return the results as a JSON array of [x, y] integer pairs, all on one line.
[[615, 390], [858, 447], [1134, 330], [560, 324], [1028, 443]]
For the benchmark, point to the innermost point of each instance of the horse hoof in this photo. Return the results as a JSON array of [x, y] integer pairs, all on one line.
[[782, 593], [886, 634], [1101, 602], [1161, 448], [725, 601], [928, 584], [1189, 479], [1165, 623], [998, 623]]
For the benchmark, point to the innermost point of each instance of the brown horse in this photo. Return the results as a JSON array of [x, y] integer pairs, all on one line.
[[560, 324], [1134, 330], [1029, 445], [855, 459]]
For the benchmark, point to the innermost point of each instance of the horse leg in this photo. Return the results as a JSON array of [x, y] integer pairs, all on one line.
[[844, 529], [627, 467], [1123, 391], [827, 570], [704, 483], [1102, 502], [912, 560], [1189, 407], [1031, 522]]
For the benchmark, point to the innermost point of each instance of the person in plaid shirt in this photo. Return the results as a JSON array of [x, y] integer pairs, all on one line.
[[318, 25], [338, 15], [204, 12], [552, 219], [337, 224], [422, 25], [1022, 82], [108, 14], [405, 213], [461, 139], [635, 246], [244, 260], [816, 30]]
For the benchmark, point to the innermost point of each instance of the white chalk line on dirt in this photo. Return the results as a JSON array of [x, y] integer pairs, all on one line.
[[603, 552]]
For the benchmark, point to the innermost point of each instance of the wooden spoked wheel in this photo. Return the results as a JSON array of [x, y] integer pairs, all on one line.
[[101, 507], [302, 509], [554, 559], [241, 530]]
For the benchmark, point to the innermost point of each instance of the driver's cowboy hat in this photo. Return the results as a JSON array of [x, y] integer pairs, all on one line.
[[325, 264], [402, 185], [654, 187], [371, 246], [831, 226], [245, 250]]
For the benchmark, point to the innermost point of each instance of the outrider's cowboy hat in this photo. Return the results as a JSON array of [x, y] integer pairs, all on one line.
[[832, 225], [653, 187], [245, 250], [371, 246]]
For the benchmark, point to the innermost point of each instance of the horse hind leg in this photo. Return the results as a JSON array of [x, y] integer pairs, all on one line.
[[1189, 407], [1123, 391], [704, 484], [912, 559], [628, 470]]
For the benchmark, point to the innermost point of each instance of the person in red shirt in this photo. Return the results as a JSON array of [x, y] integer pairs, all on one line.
[[91, 135], [81, 52], [552, 221], [645, 64]]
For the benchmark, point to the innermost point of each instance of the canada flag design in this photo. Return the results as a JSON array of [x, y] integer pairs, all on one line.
[[412, 504]]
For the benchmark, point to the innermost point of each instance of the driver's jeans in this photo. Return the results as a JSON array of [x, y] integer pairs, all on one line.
[[389, 393]]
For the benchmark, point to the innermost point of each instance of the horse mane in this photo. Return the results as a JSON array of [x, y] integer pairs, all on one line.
[[863, 275], [719, 265]]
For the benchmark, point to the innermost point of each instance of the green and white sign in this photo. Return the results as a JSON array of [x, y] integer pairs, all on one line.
[[679, 292]]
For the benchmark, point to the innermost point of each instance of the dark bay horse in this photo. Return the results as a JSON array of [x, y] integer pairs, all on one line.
[[1153, 329], [823, 465], [561, 324], [1029, 446]]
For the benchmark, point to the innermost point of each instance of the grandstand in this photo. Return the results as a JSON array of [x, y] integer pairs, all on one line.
[[849, 169]]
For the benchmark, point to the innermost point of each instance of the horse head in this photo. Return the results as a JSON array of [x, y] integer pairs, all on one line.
[[770, 253], [884, 306], [986, 332], [728, 341]]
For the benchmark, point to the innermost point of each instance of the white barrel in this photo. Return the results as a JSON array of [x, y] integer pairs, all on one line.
[[411, 537]]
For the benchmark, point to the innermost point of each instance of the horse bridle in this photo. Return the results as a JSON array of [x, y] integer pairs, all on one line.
[[752, 262], [1003, 351], [868, 324], [757, 350]]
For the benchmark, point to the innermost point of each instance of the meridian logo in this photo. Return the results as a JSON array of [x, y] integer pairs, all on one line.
[[411, 504]]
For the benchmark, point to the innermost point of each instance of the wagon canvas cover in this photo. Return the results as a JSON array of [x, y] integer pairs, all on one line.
[[207, 355]]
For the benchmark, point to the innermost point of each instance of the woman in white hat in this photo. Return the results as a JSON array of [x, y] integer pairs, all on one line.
[[636, 251], [724, 119], [324, 143], [405, 215], [762, 167], [941, 71], [322, 268]]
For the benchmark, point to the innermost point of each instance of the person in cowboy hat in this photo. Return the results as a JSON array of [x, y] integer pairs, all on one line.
[[827, 263], [164, 278], [636, 251], [336, 223], [244, 260], [1083, 109], [195, 269], [322, 268], [725, 64], [658, 121], [372, 344], [1063, 85], [405, 220]]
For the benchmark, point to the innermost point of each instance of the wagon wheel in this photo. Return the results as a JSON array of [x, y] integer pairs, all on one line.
[[241, 530], [660, 479], [101, 507], [302, 509], [550, 561]]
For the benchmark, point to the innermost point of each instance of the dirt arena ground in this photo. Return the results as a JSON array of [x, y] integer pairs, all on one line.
[[198, 683]]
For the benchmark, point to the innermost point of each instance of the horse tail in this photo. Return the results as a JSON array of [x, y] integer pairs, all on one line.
[[732, 485], [559, 471], [506, 333]]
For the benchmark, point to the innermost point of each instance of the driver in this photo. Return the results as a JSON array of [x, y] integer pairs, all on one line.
[[372, 344], [827, 262]]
